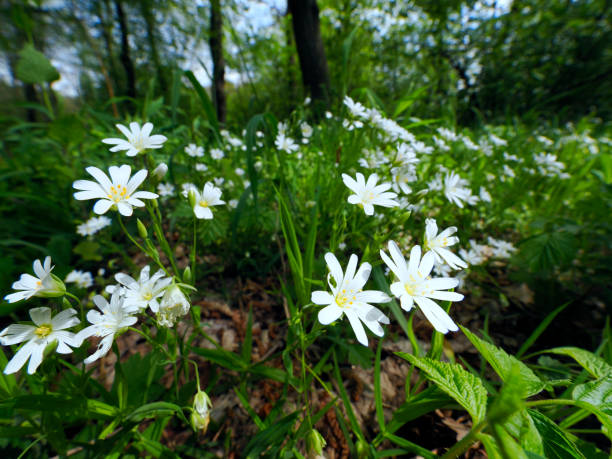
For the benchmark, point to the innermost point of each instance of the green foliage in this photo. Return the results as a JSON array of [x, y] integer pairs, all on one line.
[[34, 67]]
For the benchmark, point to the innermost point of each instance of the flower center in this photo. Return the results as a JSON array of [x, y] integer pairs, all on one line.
[[43, 330], [342, 299], [118, 193], [410, 288], [147, 296], [204, 203]]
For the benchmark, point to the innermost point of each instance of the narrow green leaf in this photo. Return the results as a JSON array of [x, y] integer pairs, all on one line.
[[153, 410], [206, 102], [539, 330]]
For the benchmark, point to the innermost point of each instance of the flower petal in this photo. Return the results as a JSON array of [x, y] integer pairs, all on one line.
[[329, 314]]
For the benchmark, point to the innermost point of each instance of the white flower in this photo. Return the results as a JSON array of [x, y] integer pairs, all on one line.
[[210, 196], [218, 181], [115, 316], [447, 134], [368, 194], [348, 298], [187, 187], [160, 171], [441, 144], [469, 144], [194, 151], [46, 331], [306, 130], [501, 249], [173, 305], [216, 153], [351, 125], [201, 167], [453, 189], [239, 171], [145, 291], [402, 176], [307, 101], [356, 108], [83, 279], [437, 243], [414, 285], [165, 189], [421, 147], [138, 139], [45, 285], [119, 191], [484, 195], [93, 225], [285, 143], [233, 203], [497, 141]]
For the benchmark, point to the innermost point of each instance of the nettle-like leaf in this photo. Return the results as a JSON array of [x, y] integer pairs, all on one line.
[[556, 443], [34, 67], [596, 366], [464, 387], [502, 363], [598, 393]]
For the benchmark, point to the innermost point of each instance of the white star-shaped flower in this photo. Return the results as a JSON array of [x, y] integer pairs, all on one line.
[[414, 285], [347, 297], [368, 194], [210, 196], [115, 316], [44, 285], [45, 331], [438, 244], [119, 191], [146, 290], [138, 139]]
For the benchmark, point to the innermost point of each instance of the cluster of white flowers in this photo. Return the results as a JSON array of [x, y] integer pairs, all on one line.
[[128, 298], [93, 225], [194, 151], [549, 166], [283, 142]]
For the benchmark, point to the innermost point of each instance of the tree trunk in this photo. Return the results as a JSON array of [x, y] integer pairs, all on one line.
[[125, 58], [307, 33], [216, 49], [147, 14]]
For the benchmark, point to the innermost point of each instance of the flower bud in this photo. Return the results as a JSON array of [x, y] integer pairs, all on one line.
[[142, 230], [160, 171], [192, 198], [362, 449], [187, 277], [200, 416], [174, 304], [314, 443]]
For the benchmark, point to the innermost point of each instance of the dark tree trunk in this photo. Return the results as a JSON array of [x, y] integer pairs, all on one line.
[[216, 49], [106, 24], [147, 14], [307, 33], [125, 57]]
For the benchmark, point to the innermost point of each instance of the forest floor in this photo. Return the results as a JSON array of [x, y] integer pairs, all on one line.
[[509, 320]]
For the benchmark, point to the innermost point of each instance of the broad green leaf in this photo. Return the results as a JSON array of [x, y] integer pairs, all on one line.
[[556, 444], [428, 400], [509, 400], [598, 393], [272, 436], [34, 67], [596, 366], [502, 363], [507, 444], [88, 250], [521, 426], [465, 388]]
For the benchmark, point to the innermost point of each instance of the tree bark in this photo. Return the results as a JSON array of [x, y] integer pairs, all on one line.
[[147, 14], [216, 49], [307, 33], [126, 60]]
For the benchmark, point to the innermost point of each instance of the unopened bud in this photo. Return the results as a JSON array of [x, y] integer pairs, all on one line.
[[142, 230], [187, 277], [200, 416], [192, 198], [314, 443], [52, 287], [362, 449], [160, 171]]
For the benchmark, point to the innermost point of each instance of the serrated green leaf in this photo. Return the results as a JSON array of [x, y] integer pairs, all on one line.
[[502, 363], [598, 393], [34, 67], [556, 443], [465, 388], [509, 400], [596, 366], [521, 426]]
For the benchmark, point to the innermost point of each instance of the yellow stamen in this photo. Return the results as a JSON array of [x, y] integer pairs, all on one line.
[[43, 330]]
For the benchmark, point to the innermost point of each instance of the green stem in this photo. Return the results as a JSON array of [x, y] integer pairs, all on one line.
[[163, 242], [148, 252], [193, 251], [150, 340], [465, 442]]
